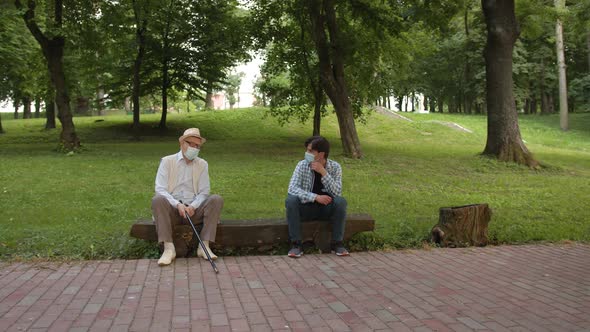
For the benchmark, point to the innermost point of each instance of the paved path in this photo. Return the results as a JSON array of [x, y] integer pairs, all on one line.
[[515, 288]]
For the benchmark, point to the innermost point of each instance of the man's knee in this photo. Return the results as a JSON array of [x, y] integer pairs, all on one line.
[[216, 200], [158, 200], [340, 203], [292, 201]]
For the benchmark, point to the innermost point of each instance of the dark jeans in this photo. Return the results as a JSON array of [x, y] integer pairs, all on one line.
[[297, 212]]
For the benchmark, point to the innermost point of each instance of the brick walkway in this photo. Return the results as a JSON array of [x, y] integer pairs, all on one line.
[[506, 288]]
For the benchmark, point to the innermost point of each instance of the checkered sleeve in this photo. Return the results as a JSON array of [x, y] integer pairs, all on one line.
[[332, 181], [301, 183]]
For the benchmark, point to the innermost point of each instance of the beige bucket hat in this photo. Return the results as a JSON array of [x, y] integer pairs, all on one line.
[[192, 132]]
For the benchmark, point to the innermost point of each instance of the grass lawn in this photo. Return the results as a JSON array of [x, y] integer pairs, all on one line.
[[56, 206]]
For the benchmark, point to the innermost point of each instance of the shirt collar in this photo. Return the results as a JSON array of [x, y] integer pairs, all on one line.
[[179, 156]]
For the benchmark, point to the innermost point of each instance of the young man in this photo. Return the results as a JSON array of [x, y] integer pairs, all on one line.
[[315, 193], [182, 185]]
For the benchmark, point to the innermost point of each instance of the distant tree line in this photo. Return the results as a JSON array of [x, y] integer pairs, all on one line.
[[80, 55], [473, 57]]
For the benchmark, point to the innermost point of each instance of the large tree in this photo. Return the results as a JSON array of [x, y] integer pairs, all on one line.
[[563, 109], [23, 74], [221, 40], [142, 10], [329, 48], [291, 91], [52, 43], [503, 141], [196, 43]]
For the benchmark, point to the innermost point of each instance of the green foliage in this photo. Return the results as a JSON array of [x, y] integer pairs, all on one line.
[[579, 91], [289, 81], [81, 206], [232, 88], [23, 74]]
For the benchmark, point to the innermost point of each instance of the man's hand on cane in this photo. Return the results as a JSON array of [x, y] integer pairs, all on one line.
[[182, 209]]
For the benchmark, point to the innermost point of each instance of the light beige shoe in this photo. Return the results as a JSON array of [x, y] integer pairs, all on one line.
[[201, 253], [168, 255]]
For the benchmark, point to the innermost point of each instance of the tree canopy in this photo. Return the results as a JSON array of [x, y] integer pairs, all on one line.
[[319, 55]]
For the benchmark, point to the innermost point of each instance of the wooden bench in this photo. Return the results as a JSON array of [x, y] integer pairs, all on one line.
[[255, 233]]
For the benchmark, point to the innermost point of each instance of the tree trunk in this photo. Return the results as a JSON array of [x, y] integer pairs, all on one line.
[[563, 116], [50, 114], [68, 136], [462, 226], [162, 124], [37, 107], [317, 110], [468, 105], [209, 96], [100, 101], [467, 100], [407, 99], [82, 105], [50, 107], [127, 105], [440, 103], [503, 139], [140, 30], [331, 63], [136, 87], [27, 108], [315, 87], [16, 106], [546, 104], [53, 52], [432, 105], [165, 60]]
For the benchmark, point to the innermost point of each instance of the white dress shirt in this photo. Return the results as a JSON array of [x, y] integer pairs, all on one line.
[[183, 191]]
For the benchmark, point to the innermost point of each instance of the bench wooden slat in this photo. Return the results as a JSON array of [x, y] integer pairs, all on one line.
[[259, 232]]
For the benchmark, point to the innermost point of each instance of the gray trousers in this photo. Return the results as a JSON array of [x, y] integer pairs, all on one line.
[[166, 217]]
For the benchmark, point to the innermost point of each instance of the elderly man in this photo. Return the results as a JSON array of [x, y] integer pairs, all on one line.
[[182, 185]]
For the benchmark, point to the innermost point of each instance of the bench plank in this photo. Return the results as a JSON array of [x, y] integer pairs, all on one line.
[[259, 232]]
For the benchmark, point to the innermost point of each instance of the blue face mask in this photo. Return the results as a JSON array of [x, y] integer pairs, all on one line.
[[309, 157], [191, 153]]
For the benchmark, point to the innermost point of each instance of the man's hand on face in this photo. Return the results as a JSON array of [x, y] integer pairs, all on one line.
[[318, 167], [183, 208], [323, 199]]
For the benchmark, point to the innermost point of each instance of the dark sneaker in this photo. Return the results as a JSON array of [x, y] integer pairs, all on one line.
[[339, 250], [295, 252]]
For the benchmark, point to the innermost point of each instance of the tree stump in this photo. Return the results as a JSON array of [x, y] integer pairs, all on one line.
[[462, 226]]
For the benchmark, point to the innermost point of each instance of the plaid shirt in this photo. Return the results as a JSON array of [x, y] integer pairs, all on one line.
[[302, 180]]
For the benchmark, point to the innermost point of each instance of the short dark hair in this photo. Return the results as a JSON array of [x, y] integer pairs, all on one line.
[[319, 143]]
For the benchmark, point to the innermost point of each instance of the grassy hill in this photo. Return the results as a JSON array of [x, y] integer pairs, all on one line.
[[82, 206]]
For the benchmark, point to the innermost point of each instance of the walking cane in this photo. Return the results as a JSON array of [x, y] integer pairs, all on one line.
[[201, 243]]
